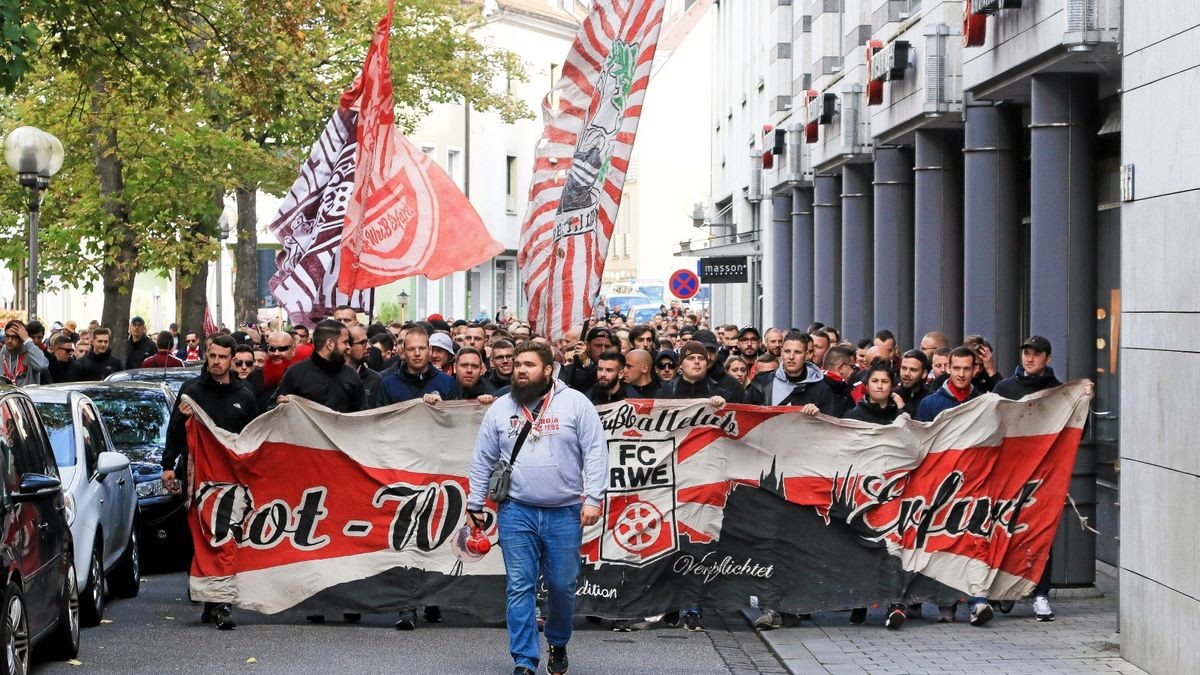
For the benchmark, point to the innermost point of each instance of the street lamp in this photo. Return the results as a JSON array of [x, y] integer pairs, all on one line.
[[403, 300], [36, 156], [222, 235]]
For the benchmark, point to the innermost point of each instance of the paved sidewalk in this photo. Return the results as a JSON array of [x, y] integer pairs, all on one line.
[[1083, 639]]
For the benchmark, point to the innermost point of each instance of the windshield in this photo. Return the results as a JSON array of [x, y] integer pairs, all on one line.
[[652, 291], [60, 427], [643, 315], [136, 420], [624, 302]]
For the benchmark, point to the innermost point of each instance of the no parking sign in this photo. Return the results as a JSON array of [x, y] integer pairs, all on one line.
[[684, 284]]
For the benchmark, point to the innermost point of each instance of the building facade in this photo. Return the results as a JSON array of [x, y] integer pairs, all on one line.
[[992, 167]]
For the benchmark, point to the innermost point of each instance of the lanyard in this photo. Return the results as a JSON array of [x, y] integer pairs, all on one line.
[[8, 373], [541, 408]]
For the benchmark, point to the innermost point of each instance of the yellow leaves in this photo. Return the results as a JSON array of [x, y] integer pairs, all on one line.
[[251, 660], [74, 662]]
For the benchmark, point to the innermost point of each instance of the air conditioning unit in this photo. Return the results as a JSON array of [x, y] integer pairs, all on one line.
[[811, 124], [889, 62], [993, 6], [850, 118], [874, 84]]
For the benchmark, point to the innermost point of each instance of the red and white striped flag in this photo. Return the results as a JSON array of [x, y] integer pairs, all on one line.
[[210, 326], [580, 163], [406, 216]]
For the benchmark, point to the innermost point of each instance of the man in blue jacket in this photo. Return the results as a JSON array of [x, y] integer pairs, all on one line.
[[956, 390], [417, 377], [558, 485]]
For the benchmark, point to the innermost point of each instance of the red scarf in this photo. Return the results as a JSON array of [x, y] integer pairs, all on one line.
[[10, 375], [960, 394]]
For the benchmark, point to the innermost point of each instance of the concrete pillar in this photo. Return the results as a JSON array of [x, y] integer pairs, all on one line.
[[1062, 280], [779, 288], [827, 249], [894, 244], [802, 257], [992, 232], [937, 201], [858, 273]]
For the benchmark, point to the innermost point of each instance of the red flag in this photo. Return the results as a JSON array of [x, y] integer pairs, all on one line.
[[406, 216], [210, 326], [581, 161]]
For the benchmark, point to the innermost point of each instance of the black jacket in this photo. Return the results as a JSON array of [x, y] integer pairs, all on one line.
[[811, 387], [231, 407], [254, 382], [578, 376], [95, 367], [912, 397], [370, 382], [136, 352], [649, 390], [869, 412], [493, 378], [481, 388], [717, 374], [63, 371], [599, 397], [984, 382], [334, 386], [1021, 385], [706, 388]]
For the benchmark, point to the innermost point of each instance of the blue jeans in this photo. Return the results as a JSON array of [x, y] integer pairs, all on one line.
[[539, 539]]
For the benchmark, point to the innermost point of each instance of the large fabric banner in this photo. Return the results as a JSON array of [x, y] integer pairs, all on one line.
[[314, 510], [580, 163]]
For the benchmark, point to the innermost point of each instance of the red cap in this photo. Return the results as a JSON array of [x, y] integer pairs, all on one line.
[[435, 317]]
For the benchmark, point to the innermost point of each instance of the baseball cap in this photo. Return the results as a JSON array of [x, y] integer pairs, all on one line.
[[138, 320], [442, 341], [240, 337], [705, 337], [1037, 342], [692, 347], [599, 332], [668, 354], [747, 330], [435, 317]]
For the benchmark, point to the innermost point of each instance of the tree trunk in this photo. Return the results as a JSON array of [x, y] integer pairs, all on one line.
[[245, 283], [195, 288], [120, 254]]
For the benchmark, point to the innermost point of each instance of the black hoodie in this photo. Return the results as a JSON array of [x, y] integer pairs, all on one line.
[[1021, 385], [231, 407], [333, 385], [870, 412]]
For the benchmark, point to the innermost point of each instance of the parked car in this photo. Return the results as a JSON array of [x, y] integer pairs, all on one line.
[[40, 597], [136, 415], [622, 302], [172, 377], [100, 498], [641, 314]]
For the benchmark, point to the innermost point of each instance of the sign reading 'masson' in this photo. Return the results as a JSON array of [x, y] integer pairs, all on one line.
[[315, 510]]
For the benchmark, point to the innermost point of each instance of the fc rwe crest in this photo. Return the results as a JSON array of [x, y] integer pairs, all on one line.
[[639, 510]]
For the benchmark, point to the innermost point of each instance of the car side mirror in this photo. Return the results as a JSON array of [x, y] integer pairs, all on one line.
[[34, 485], [111, 462]]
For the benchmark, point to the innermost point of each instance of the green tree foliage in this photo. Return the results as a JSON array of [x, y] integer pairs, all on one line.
[[164, 107]]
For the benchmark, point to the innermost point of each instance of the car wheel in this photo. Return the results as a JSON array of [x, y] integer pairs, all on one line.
[[92, 605], [64, 642], [15, 629], [127, 575]]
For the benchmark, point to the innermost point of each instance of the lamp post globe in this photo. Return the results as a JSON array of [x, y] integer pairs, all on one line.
[[36, 156]]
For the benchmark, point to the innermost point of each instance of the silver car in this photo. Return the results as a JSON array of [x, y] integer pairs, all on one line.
[[100, 498]]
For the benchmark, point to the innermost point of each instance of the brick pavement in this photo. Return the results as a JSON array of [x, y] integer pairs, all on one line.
[[1083, 639]]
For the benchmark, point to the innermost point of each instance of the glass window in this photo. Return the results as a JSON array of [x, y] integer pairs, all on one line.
[[136, 421], [61, 429], [93, 439], [29, 450], [8, 444]]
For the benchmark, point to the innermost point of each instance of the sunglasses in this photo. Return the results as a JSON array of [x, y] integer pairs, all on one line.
[[361, 342], [666, 366], [279, 350], [244, 364]]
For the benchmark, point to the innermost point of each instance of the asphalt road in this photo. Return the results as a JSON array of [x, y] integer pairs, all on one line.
[[160, 632]]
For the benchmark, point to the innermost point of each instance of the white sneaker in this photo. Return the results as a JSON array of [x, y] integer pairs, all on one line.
[[1041, 609]]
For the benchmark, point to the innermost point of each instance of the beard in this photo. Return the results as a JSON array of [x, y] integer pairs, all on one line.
[[525, 393], [337, 357]]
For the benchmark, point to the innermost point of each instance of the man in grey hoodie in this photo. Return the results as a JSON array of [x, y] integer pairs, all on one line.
[[796, 382], [23, 361], [558, 485]]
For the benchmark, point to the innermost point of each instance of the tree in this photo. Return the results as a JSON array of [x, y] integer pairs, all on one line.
[[179, 106]]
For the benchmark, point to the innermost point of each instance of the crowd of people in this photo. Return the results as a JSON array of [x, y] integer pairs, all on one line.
[[348, 366]]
